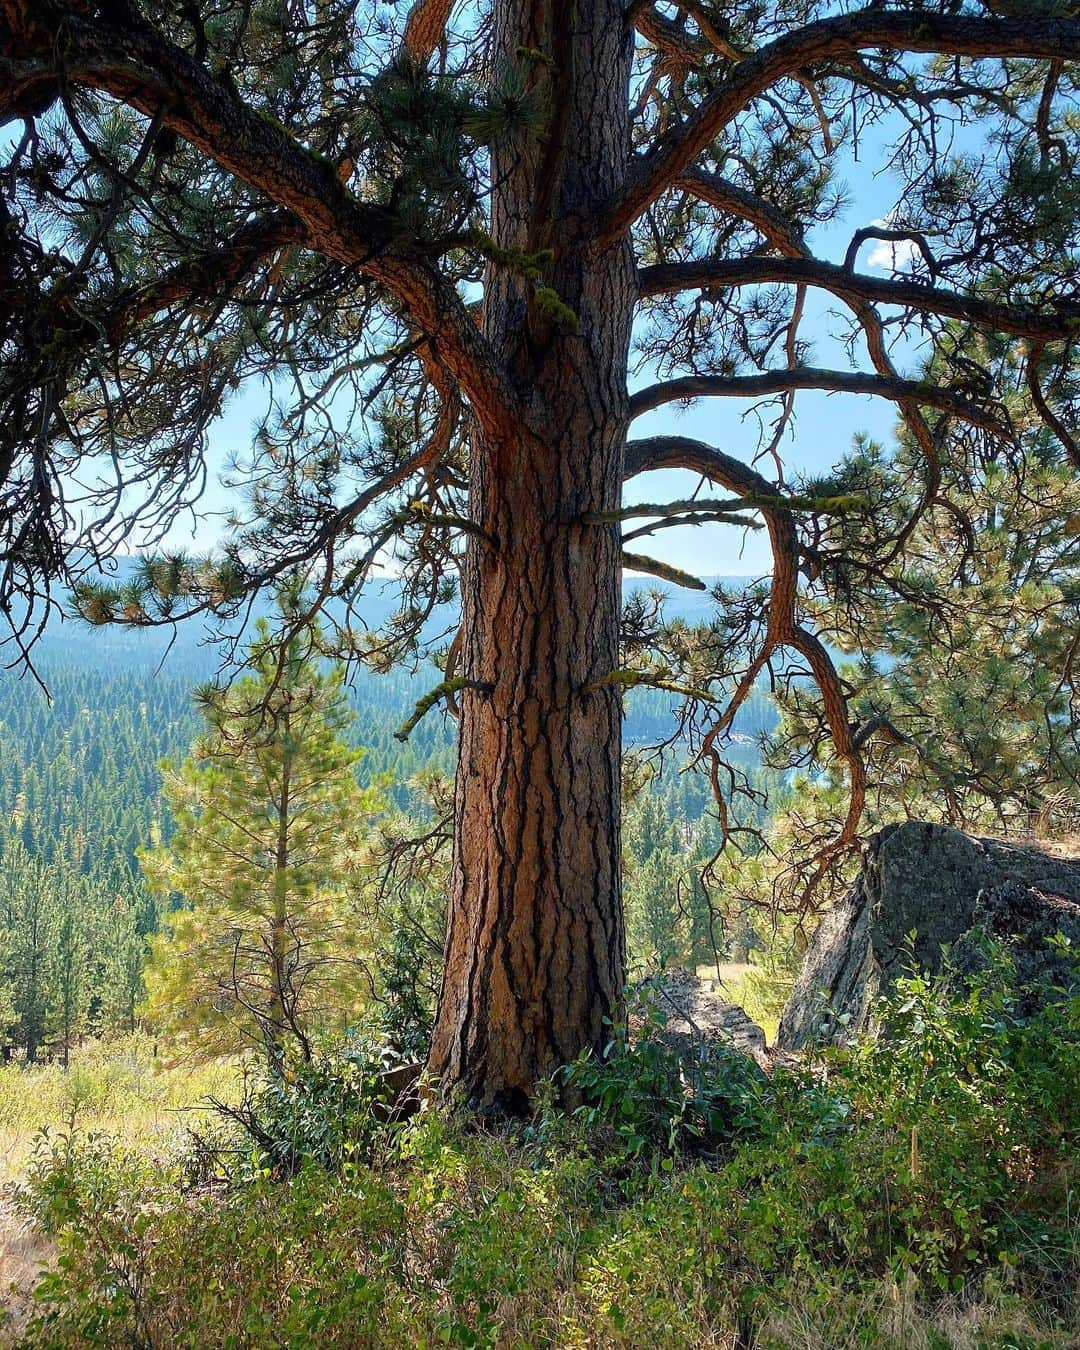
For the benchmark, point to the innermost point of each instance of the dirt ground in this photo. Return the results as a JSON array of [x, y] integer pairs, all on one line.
[[22, 1256]]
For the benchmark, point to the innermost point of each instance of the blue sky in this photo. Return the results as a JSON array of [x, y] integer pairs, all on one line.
[[825, 425]]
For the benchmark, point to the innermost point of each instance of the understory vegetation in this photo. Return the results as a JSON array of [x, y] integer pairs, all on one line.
[[915, 1189]]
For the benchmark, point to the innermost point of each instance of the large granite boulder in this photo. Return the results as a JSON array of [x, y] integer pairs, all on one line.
[[947, 888]]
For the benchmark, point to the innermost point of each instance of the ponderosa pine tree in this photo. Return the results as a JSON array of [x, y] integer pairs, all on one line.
[[71, 954], [964, 658], [262, 948], [433, 232], [29, 921], [121, 960], [970, 677]]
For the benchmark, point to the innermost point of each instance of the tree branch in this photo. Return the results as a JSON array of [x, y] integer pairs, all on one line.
[[1067, 440], [1059, 324], [784, 629], [781, 232], [809, 377], [672, 41], [209, 274], [840, 36], [683, 452], [425, 28], [140, 67], [787, 239], [639, 562]]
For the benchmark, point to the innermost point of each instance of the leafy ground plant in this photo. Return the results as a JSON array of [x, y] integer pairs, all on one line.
[[918, 1190]]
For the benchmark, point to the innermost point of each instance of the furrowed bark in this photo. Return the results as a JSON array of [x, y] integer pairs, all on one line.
[[535, 949], [425, 28]]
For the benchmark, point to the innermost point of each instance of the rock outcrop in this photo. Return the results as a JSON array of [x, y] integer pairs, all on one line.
[[698, 1015], [946, 887]]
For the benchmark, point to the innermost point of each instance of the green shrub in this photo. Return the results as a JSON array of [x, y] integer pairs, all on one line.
[[675, 1094], [915, 1190], [98, 1199], [941, 1149], [324, 1112]]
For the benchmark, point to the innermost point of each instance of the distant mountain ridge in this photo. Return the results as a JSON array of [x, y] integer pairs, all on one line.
[[189, 649]]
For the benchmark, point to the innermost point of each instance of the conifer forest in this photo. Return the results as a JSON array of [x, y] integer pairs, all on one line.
[[540, 673]]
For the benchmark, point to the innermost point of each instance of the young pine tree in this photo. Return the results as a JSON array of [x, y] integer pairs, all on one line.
[[28, 922], [121, 952], [262, 949], [63, 939]]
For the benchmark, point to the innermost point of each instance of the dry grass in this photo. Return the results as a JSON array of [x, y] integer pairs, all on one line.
[[728, 973], [23, 1255], [119, 1088], [1060, 841], [1065, 846], [735, 979], [900, 1324]]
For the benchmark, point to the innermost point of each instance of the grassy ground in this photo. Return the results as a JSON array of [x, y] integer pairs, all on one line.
[[729, 973], [23, 1255], [478, 1240], [918, 1193], [116, 1088]]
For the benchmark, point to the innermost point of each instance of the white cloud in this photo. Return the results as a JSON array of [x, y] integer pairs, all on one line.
[[891, 254]]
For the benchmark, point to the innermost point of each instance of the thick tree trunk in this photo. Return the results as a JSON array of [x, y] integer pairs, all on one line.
[[535, 951]]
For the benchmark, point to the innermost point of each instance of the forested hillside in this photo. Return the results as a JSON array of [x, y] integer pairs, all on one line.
[[80, 769], [80, 798], [80, 776]]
